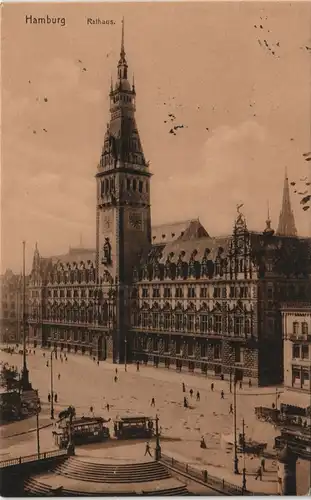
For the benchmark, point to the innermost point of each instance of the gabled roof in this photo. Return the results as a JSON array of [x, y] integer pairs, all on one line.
[[166, 233], [76, 255]]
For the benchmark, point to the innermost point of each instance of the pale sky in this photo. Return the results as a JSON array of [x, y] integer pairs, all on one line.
[[205, 62]]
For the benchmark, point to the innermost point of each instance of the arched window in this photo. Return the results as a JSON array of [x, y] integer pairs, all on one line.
[[295, 327], [134, 184]]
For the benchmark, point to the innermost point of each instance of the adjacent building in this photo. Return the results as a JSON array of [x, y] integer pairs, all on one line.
[[296, 319], [11, 307], [174, 294]]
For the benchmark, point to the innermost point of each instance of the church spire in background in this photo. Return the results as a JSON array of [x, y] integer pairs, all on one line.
[[286, 225]]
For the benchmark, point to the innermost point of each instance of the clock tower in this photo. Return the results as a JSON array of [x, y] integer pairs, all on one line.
[[123, 222]]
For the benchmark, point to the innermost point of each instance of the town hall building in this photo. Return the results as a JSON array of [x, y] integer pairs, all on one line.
[[171, 295]]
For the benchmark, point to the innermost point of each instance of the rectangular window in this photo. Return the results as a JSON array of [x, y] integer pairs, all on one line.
[[217, 351], [191, 292], [232, 292], [224, 292], [167, 321], [166, 344], [305, 352], [217, 324], [145, 292], [190, 348], [204, 323], [156, 293], [145, 319], [83, 292], [76, 293], [296, 351], [217, 292], [295, 327], [128, 184], [203, 293], [203, 350], [190, 322], [270, 293], [155, 320], [55, 294], [140, 186], [167, 292], [179, 322], [179, 292]]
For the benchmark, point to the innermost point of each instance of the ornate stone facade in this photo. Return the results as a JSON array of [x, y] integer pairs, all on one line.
[[177, 297], [213, 304]]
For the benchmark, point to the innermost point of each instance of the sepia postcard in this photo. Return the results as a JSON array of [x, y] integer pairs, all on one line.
[[155, 319]]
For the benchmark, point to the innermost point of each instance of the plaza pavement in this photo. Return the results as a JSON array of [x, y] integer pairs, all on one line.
[[84, 384]]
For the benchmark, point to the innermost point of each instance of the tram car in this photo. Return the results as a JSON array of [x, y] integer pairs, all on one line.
[[133, 427], [84, 430]]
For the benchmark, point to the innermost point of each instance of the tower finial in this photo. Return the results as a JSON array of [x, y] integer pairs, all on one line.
[[122, 53]]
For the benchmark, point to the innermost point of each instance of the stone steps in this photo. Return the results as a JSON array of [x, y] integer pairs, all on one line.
[[178, 490], [34, 488], [106, 473]]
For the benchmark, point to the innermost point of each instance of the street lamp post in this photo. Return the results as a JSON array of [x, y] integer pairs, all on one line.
[[25, 373], [158, 446], [235, 460], [125, 354], [38, 430], [244, 468], [52, 392]]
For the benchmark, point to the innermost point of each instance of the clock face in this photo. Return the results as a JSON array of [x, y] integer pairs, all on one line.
[[135, 221]]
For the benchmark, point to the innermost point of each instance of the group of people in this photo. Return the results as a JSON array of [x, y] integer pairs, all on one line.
[[50, 397]]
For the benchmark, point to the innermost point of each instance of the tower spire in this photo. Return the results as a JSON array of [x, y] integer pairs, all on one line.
[[122, 53], [286, 225], [122, 65]]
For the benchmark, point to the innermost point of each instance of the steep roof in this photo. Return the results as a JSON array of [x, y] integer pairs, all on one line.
[[76, 255], [188, 229], [198, 244]]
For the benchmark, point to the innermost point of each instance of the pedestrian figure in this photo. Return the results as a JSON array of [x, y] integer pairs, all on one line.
[[49, 397], [137, 366], [152, 402], [116, 371], [116, 379], [62, 360], [59, 376], [91, 409], [191, 393], [183, 387], [47, 364], [97, 363], [198, 396], [34, 352], [44, 354], [147, 450], [212, 387], [263, 463], [222, 376], [202, 443], [273, 405], [55, 398], [241, 385], [259, 474], [107, 406], [222, 395], [249, 383], [93, 358], [185, 402], [231, 408]]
